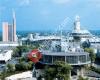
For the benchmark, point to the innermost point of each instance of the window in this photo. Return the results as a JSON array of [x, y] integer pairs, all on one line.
[[58, 58], [82, 58], [71, 59]]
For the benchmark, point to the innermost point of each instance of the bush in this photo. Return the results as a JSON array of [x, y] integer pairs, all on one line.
[[30, 65], [95, 69], [24, 66], [10, 67], [81, 78], [18, 67]]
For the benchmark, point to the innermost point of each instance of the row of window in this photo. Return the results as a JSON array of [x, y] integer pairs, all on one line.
[[68, 59]]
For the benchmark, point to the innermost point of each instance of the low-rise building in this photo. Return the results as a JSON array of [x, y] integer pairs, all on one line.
[[12, 44], [5, 55]]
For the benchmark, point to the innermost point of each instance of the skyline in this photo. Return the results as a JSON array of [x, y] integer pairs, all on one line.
[[49, 14]]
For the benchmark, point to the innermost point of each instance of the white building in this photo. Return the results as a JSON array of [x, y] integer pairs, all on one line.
[[9, 44], [21, 76], [83, 34], [5, 55]]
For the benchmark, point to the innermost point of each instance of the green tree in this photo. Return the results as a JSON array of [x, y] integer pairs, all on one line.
[[22, 59], [19, 50], [60, 70], [23, 66], [50, 73], [92, 54], [81, 78], [3, 74], [18, 67], [30, 65], [10, 67], [63, 70]]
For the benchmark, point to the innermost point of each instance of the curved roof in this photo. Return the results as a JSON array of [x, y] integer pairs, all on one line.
[[81, 31], [64, 53]]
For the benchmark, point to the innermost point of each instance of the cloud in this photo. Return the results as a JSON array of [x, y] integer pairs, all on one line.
[[61, 1], [95, 3], [24, 2]]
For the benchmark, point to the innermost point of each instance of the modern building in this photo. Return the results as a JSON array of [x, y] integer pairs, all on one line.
[[67, 49], [82, 34], [5, 31], [5, 55], [73, 55], [9, 31]]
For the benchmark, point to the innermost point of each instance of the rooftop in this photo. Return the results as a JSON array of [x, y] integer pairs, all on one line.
[[64, 53]]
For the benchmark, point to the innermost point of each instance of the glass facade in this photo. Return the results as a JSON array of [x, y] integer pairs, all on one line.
[[58, 58], [47, 59], [88, 58], [82, 58], [72, 59], [10, 32]]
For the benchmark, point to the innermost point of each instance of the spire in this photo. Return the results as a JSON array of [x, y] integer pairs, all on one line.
[[14, 25], [77, 23], [14, 17], [77, 18]]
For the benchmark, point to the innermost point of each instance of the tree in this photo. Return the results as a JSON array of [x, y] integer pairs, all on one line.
[[50, 73], [22, 59], [3, 74], [86, 44], [18, 67], [22, 66], [30, 65], [92, 54], [81, 78], [60, 70], [63, 70], [19, 50], [10, 67]]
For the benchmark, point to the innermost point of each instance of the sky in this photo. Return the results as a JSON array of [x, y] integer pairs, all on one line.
[[47, 15]]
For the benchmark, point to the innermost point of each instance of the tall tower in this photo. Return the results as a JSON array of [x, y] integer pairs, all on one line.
[[5, 31], [77, 23], [14, 27], [9, 30]]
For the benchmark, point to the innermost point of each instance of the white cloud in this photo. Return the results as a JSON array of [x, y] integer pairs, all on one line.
[[24, 2], [95, 3], [61, 1]]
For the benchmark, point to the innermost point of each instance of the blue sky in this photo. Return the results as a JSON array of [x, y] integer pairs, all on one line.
[[49, 14]]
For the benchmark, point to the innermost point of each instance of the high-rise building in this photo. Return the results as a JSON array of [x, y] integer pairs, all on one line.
[[9, 30], [14, 27], [5, 31]]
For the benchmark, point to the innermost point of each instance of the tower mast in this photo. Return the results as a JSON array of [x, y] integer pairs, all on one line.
[[14, 26]]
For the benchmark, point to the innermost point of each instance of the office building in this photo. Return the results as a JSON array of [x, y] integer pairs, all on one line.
[[5, 31], [9, 31]]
